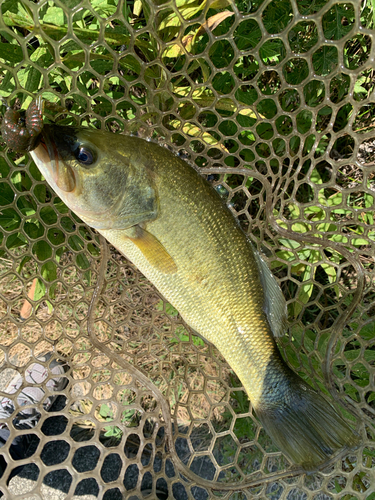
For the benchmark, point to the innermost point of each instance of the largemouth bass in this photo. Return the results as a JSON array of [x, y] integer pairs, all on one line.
[[163, 216]]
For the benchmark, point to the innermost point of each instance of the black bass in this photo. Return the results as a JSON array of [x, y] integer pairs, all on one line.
[[163, 216]]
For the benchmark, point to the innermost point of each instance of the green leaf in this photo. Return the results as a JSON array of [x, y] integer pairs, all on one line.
[[285, 255], [367, 452], [304, 121], [351, 392], [300, 227], [60, 206], [11, 53], [325, 60], [42, 57], [333, 26], [277, 15], [304, 294], [42, 250], [25, 259], [306, 290], [9, 219], [104, 7], [105, 411], [55, 15], [48, 215], [6, 194], [246, 137], [248, 35], [17, 15], [369, 200], [358, 242], [332, 276], [170, 310], [83, 262], [7, 85], [33, 228], [15, 240], [93, 249], [49, 271], [56, 236], [272, 53], [40, 290], [29, 78], [289, 243], [368, 331]]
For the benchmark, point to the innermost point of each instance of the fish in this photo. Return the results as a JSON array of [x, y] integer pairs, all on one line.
[[163, 216]]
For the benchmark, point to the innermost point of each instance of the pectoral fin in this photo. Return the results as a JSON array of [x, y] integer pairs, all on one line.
[[152, 249]]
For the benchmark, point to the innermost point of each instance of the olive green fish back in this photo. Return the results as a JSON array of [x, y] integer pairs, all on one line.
[[273, 101]]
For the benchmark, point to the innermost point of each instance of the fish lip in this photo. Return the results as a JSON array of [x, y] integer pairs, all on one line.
[[43, 159], [48, 144], [57, 174]]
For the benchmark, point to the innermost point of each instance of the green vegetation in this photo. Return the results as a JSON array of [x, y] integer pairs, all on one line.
[[153, 86]]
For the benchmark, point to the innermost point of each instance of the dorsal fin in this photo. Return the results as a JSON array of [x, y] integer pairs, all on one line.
[[274, 300]]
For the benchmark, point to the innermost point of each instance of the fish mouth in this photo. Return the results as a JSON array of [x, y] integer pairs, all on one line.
[[60, 173]]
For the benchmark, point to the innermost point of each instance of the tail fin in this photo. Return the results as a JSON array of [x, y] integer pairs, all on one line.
[[306, 427]]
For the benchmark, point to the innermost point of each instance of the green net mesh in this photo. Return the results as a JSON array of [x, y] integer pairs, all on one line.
[[274, 102]]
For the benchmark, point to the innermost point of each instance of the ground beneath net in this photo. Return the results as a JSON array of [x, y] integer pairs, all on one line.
[[57, 483]]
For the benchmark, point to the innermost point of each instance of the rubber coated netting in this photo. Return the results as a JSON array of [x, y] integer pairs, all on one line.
[[274, 102]]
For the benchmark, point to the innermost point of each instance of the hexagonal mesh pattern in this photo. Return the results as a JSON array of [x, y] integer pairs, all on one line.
[[273, 102]]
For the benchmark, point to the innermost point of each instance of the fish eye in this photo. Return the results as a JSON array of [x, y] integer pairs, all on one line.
[[85, 155]]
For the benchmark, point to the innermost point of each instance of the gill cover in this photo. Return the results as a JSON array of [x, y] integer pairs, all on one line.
[[98, 176]]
